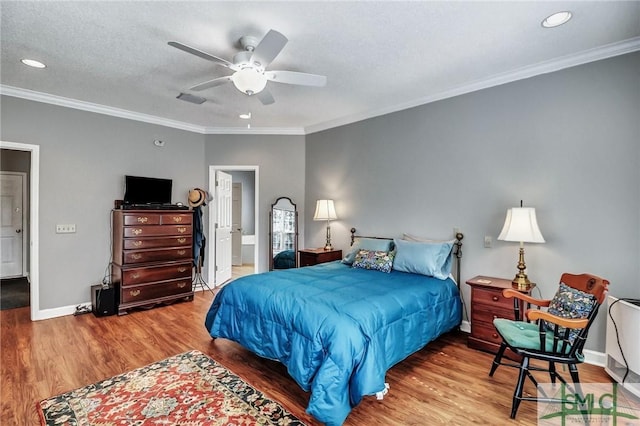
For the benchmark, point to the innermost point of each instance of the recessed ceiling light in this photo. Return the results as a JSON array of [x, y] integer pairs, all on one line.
[[557, 19], [245, 116], [33, 63]]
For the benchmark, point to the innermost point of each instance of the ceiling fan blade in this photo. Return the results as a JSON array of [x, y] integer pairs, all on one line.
[[211, 83], [268, 48], [265, 97], [292, 77], [202, 54]]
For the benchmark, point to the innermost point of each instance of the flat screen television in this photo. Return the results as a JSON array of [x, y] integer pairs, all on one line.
[[146, 190]]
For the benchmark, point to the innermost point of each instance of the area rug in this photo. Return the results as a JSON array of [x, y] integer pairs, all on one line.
[[187, 389], [14, 293]]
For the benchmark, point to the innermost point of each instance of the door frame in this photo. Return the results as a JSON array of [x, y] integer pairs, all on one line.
[[23, 223], [211, 264], [34, 221]]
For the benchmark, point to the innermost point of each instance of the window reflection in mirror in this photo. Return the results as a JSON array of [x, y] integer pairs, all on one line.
[[283, 234]]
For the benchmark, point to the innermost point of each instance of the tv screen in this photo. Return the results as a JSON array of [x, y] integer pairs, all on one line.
[[146, 190]]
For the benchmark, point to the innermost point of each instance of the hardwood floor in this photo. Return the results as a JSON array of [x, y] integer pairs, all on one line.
[[444, 383]]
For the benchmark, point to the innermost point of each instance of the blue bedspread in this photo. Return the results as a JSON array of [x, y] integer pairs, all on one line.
[[337, 329]]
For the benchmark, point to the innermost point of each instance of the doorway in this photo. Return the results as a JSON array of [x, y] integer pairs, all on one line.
[[30, 228], [248, 176]]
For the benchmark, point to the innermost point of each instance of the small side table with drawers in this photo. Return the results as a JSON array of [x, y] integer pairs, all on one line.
[[314, 256], [488, 303]]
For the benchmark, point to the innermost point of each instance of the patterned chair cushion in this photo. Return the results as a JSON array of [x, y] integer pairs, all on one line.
[[374, 259], [573, 304]]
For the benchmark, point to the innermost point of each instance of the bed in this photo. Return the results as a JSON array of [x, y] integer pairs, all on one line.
[[338, 327]]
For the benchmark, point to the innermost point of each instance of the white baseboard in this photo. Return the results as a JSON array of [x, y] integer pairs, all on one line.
[[595, 358], [465, 326], [57, 312]]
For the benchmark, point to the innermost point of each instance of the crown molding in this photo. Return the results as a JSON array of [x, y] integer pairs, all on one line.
[[32, 95], [46, 98], [557, 64], [254, 131]]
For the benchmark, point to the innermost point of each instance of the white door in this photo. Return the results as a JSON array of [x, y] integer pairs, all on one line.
[[236, 224], [223, 228], [11, 223]]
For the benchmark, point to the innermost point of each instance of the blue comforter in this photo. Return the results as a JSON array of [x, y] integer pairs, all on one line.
[[337, 329]]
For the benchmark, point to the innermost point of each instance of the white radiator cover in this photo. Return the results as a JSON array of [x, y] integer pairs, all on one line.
[[627, 320]]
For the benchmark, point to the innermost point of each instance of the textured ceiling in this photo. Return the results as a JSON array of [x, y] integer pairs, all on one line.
[[378, 57]]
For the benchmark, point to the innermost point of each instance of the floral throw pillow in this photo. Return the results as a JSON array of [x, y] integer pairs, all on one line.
[[376, 260], [571, 303]]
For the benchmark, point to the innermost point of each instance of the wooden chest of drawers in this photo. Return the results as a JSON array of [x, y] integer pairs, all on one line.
[[152, 257], [315, 256], [487, 304]]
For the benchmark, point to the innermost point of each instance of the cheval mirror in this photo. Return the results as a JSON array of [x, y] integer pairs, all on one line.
[[283, 234]]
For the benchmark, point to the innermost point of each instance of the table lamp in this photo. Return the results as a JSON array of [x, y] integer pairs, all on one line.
[[521, 226], [325, 210]]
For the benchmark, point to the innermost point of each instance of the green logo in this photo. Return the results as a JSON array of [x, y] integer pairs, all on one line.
[[591, 403]]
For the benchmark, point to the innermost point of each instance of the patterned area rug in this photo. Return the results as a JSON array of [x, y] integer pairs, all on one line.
[[187, 389]]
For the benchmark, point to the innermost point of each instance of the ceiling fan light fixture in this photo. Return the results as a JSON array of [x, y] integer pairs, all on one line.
[[249, 80], [556, 19]]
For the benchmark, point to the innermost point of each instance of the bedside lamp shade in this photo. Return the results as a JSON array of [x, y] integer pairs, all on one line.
[[325, 210], [521, 226]]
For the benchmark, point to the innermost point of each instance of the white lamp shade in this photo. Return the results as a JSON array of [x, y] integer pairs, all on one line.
[[325, 210], [521, 225], [249, 80]]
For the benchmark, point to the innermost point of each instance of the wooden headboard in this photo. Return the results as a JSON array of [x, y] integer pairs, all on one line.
[[457, 251]]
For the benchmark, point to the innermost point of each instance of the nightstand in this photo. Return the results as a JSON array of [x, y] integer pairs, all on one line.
[[487, 304], [314, 256]]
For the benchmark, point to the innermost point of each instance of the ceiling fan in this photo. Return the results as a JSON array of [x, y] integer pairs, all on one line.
[[251, 76]]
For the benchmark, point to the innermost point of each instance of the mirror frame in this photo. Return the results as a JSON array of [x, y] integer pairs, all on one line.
[[295, 237]]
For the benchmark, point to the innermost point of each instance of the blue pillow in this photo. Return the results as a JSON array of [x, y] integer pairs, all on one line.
[[372, 244], [432, 259]]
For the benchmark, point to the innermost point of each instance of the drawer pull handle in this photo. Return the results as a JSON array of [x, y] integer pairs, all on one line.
[[135, 275], [177, 219], [136, 256], [495, 335], [181, 252], [137, 231], [143, 219], [182, 240], [137, 243], [134, 293], [182, 285], [182, 269], [495, 298], [182, 230], [495, 317]]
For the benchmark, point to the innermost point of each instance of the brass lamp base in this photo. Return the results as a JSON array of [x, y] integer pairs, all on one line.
[[328, 245], [521, 282]]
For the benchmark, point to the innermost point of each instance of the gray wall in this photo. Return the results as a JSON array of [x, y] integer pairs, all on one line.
[[248, 180], [83, 160], [281, 161], [567, 143]]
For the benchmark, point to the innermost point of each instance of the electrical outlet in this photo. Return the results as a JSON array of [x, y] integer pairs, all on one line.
[[487, 241], [66, 229]]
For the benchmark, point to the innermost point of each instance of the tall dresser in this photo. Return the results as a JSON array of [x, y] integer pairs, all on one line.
[[152, 257]]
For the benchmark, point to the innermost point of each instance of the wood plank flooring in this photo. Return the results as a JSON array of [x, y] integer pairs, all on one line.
[[444, 383]]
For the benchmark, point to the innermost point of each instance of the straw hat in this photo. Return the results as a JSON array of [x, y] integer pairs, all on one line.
[[197, 197]]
